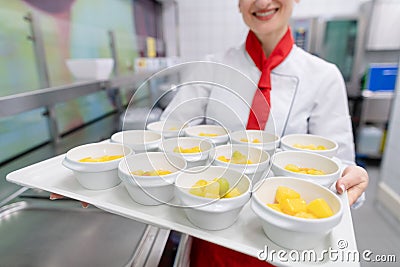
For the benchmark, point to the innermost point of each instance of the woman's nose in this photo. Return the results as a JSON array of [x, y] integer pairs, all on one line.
[[262, 3]]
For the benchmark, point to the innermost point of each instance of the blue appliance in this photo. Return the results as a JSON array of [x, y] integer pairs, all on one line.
[[381, 77]]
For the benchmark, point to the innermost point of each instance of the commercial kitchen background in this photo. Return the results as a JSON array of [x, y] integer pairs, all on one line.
[[38, 36]]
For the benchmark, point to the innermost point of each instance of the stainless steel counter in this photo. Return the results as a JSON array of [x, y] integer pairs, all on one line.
[[40, 232]]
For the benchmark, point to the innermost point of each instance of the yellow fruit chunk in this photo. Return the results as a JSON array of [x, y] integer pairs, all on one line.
[[163, 172], [223, 186], [255, 141], [310, 147], [151, 173], [233, 193], [197, 191], [212, 188], [319, 208], [239, 158], [292, 168], [305, 215], [201, 182], [311, 171], [195, 149], [289, 202], [217, 188], [208, 189], [101, 159], [208, 134], [198, 188], [292, 206], [275, 206], [223, 158], [172, 129], [284, 192], [315, 172]]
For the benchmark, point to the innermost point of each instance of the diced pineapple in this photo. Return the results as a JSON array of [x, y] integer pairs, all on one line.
[[292, 168], [223, 158], [101, 159], [256, 141], [208, 134], [244, 140], [284, 192], [107, 158], [311, 171], [305, 215], [275, 206], [223, 185], [198, 188], [315, 172], [212, 188], [201, 182], [151, 173], [195, 149], [233, 193], [310, 147], [211, 195], [197, 191], [239, 158], [293, 206], [319, 208], [163, 172]]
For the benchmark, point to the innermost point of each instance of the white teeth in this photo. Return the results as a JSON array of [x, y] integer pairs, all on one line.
[[264, 14]]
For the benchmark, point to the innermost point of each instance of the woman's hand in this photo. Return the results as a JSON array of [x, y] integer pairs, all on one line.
[[54, 196], [355, 180]]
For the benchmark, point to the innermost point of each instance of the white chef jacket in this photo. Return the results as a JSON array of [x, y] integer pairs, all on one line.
[[308, 96]]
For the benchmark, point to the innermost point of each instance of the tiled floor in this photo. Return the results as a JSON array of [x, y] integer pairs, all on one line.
[[375, 229]]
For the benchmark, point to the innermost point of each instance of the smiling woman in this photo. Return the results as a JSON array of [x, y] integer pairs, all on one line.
[[268, 19], [297, 93]]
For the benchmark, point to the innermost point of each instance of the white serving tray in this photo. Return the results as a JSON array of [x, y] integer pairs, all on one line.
[[245, 235]]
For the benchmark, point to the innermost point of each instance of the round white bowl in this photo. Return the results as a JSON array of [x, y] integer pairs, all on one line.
[[90, 68], [288, 141], [289, 231], [207, 213], [192, 159], [150, 190], [96, 175], [306, 160], [168, 128], [138, 140], [220, 139], [269, 142], [254, 171]]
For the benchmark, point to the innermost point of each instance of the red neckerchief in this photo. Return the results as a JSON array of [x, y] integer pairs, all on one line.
[[261, 104]]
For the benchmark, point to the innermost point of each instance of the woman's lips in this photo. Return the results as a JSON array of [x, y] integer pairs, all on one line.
[[265, 14]]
